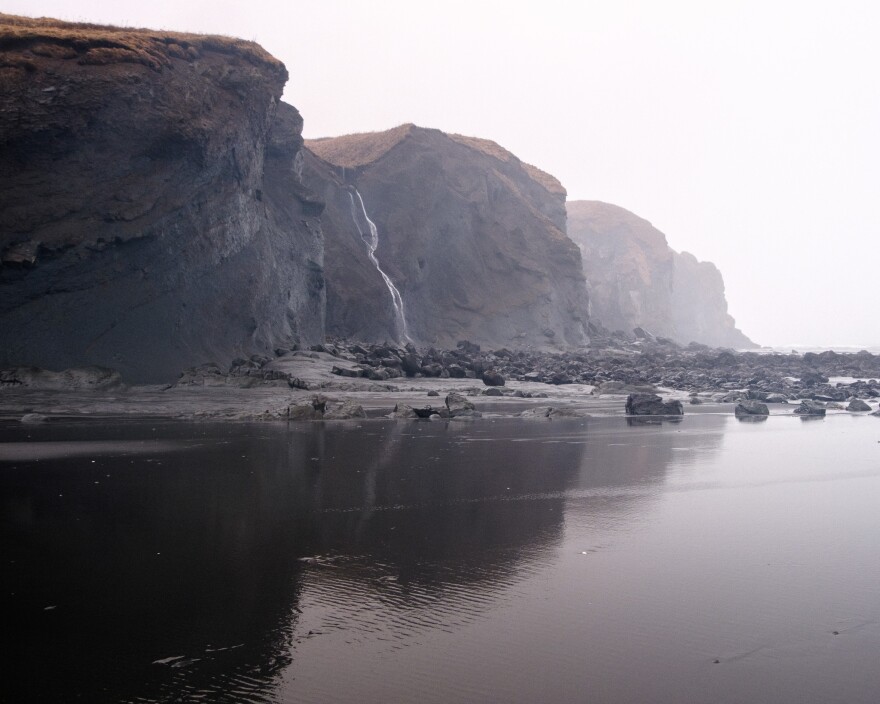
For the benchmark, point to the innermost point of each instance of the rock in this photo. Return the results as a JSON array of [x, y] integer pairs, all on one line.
[[344, 411], [695, 401], [776, 398], [411, 364], [493, 391], [492, 378], [303, 411], [536, 412], [457, 372], [433, 393], [652, 405], [75, 379], [750, 408], [458, 405], [857, 406], [347, 372], [425, 412], [808, 407], [401, 410]]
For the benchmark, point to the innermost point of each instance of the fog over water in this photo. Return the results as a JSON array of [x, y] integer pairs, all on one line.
[[745, 131]]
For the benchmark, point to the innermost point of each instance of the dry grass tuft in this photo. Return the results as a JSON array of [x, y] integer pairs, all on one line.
[[487, 146], [100, 44], [353, 150]]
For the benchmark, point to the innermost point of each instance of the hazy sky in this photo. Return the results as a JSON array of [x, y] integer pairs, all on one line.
[[748, 132]]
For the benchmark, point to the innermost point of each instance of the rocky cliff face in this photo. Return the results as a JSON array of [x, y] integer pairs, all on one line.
[[152, 216], [628, 266], [473, 239], [637, 280], [699, 308]]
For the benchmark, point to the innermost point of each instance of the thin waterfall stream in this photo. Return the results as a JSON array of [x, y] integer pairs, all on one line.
[[372, 242]]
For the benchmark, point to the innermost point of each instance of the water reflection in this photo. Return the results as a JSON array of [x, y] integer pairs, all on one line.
[[211, 568]]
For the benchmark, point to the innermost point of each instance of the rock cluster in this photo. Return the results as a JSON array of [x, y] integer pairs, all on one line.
[[614, 365]]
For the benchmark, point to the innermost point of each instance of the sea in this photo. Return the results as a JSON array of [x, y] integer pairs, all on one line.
[[501, 560]]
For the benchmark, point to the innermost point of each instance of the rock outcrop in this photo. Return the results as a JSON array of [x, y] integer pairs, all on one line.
[[628, 266], [473, 239], [636, 280], [152, 217]]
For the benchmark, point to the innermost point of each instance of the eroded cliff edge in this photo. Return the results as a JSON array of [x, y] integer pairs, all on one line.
[[473, 238], [153, 216], [637, 280]]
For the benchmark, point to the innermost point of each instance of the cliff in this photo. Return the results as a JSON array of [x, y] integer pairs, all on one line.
[[636, 280], [152, 215], [472, 238], [699, 308]]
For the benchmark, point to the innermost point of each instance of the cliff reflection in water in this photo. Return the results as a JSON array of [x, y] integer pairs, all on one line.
[[242, 558]]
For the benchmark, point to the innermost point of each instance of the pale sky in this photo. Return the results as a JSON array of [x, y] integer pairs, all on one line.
[[748, 132]]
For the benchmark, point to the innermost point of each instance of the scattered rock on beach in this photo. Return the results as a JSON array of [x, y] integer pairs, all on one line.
[[492, 378], [459, 406], [857, 406], [808, 407], [750, 408], [652, 405]]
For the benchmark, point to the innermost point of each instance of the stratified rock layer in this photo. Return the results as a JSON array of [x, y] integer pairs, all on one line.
[[152, 217], [636, 280], [473, 238]]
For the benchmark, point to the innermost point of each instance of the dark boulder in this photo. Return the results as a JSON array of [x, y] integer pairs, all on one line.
[[652, 405], [809, 407], [749, 408], [492, 378], [857, 405], [458, 405]]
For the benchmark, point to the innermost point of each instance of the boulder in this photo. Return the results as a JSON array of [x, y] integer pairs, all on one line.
[[303, 411], [492, 378], [401, 410], [776, 398], [493, 391], [750, 408], [652, 405], [458, 405], [857, 406], [809, 407]]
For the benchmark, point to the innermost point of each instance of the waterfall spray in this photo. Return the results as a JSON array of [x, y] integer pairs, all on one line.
[[372, 242]]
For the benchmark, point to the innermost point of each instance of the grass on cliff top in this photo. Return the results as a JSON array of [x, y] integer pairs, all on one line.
[[105, 44], [354, 150], [487, 146]]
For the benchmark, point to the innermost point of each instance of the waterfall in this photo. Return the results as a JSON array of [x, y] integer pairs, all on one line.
[[372, 242]]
